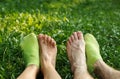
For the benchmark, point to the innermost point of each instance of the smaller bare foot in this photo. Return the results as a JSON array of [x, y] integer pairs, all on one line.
[[76, 55], [48, 50]]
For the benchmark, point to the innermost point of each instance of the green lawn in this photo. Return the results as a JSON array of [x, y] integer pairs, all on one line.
[[57, 18]]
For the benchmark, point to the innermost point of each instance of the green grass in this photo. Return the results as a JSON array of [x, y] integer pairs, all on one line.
[[57, 19]]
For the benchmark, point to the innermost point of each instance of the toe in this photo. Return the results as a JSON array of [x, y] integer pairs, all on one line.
[[80, 35], [75, 35], [68, 44], [72, 38], [53, 42], [68, 49], [48, 39], [45, 39], [69, 40]]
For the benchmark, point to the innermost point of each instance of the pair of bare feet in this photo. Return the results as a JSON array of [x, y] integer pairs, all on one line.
[[75, 52]]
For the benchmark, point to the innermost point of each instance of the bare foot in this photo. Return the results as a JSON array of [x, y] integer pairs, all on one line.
[[48, 50], [76, 51], [76, 55]]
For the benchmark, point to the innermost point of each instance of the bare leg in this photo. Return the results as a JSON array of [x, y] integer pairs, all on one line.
[[76, 55], [105, 72], [48, 57], [29, 73]]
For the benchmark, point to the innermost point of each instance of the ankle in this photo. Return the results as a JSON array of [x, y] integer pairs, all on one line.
[[46, 66], [103, 70], [98, 69], [80, 70], [81, 73], [83, 68]]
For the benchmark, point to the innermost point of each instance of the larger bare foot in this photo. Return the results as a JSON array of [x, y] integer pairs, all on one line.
[[76, 55], [48, 50]]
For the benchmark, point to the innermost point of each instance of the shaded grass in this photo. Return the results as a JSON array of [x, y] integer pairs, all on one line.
[[57, 19]]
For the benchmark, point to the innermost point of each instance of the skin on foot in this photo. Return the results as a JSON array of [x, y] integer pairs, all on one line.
[[29, 45], [76, 52], [92, 51], [48, 50]]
